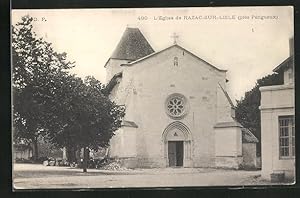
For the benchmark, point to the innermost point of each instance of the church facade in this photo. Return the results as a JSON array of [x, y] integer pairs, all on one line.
[[178, 113]]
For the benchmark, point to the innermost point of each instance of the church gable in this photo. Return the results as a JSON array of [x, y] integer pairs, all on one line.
[[176, 70], [183, 51], [175, 66]]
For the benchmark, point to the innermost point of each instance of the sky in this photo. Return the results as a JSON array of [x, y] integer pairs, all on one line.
[[249, 42]]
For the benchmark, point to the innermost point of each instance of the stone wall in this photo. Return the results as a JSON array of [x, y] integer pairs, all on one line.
[[249, 155], [136, 162], [113, 67], [273, 106], [22, 154], [151, 81], [229, 162], [123, 143], [228, 145], [154, 80]]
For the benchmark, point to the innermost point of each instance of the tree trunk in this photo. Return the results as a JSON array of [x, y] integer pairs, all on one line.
[[35, 149], [106, 153], [86, 153], [71, 154]]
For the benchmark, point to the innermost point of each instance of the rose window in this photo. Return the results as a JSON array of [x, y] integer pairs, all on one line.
[[176, 105]]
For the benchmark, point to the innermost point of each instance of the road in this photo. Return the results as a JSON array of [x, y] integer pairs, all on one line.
[[35, 176]]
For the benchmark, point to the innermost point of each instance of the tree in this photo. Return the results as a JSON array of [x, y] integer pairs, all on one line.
[[82, 115], [35, 63], [49, 102], [247, 109]]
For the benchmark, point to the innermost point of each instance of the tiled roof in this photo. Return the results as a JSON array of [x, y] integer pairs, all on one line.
[[248, 137], [132, 46]]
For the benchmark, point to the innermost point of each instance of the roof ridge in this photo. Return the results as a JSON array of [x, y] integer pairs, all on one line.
[[283, 63], [154, 53], [227, 96]]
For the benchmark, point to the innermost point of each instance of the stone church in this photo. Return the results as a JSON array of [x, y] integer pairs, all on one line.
[[178, 113]]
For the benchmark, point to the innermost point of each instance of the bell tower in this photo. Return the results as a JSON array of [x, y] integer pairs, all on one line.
[[132, 46]]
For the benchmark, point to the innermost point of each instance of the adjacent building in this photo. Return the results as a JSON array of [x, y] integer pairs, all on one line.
[[278, 122]]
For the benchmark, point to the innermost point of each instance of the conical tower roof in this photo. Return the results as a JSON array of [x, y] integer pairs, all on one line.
[[132, 46]]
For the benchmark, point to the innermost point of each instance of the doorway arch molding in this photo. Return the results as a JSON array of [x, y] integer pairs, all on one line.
[[179, 126], [184, 135]]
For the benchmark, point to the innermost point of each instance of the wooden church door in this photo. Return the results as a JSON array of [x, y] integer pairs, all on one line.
[[179, 153], [175, 153]]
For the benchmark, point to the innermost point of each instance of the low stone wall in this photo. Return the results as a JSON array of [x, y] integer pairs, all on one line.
[[249, 155]]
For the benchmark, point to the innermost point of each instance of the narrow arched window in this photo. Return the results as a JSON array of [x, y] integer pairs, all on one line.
[[175, 61]]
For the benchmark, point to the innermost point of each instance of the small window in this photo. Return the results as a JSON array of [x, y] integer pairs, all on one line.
[[286, 136], [175, 61]]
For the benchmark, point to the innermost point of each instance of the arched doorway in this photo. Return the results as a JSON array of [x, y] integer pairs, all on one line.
[[177, 145]]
